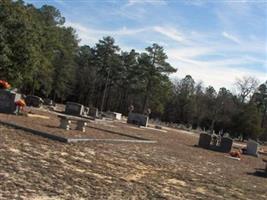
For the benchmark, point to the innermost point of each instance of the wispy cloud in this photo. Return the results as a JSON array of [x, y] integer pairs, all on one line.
[[231, 37], [195, 2], [151, 2], [217, 74], [61, 2], [86, 33], [170, 32]]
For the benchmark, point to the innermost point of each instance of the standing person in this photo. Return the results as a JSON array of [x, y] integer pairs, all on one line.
[[131, 108], [20, 104]]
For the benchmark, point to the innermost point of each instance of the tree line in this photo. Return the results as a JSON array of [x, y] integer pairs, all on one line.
[[41, 56]]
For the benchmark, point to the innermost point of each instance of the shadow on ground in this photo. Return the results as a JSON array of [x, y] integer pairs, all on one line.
[[259, 173]]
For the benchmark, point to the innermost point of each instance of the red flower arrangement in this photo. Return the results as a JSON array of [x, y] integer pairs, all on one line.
[[4, 84], [235, 154], [20, 103]]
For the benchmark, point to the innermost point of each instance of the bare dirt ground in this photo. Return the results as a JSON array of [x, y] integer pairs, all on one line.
[[32, 167], [51, 126]]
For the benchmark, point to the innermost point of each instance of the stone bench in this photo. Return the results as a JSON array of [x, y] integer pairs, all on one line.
[[65, 123], [81, 124]]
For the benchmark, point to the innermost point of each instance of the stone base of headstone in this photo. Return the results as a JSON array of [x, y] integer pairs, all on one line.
[[204, 140], [65, 124], [81, 125]]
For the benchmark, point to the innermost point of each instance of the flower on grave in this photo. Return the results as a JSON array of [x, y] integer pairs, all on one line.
[[20, 103], [4, 85]]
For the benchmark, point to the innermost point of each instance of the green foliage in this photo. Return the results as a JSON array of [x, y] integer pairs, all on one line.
[[247, 122]]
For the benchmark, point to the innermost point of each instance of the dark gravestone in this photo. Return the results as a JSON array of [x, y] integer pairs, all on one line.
[[226, 144], [137, 119], [75, 109], [7, 101], [49, 102], [93, 112], [204, 140], [34, 101]]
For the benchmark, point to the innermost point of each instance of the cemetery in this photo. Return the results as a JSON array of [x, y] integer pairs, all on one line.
[[133, 99], [75, 152]]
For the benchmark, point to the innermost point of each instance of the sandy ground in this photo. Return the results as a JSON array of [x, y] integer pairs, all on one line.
[[32, 167]]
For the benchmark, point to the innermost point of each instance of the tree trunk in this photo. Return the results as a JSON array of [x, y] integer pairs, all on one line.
[[104, 93], [146, 96], [263, 116]]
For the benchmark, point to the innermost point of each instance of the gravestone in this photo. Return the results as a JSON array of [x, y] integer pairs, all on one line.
[[49, 102], [117, 116], [252, 148], [34, 101], [204, 140], [93, 112], [137, 119], [75, 109], [226, 144], [86, 111], [7, 101], [114, 115]]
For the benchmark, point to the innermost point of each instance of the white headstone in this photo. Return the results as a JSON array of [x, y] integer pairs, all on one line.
[[252, 147]]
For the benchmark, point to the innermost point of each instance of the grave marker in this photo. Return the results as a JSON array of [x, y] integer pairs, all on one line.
[[137, 119], [34, 101], [75, 109], [252, 148], [204, 140], [7, 101], [93, 112], [226, 144]]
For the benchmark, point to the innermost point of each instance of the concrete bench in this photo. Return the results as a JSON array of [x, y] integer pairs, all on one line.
[[65, 123], [81, 124]]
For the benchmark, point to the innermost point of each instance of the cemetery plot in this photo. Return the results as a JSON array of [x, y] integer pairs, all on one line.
[[50, 124], [37, 168]]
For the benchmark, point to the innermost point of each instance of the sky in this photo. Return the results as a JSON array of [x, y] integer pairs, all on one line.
[[215, 41]]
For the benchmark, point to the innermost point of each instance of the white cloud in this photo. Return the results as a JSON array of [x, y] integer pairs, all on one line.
[[188, 52], [121, 31], [61, 2], [213, 74], [229, 62], [170, 32], [89, 35], [195, 2], [231, 37], [151, 2]]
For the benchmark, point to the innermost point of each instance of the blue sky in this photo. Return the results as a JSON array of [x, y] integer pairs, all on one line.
[[214, 41]]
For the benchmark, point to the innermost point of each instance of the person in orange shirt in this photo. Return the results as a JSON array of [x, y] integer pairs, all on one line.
[[20, 105]]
